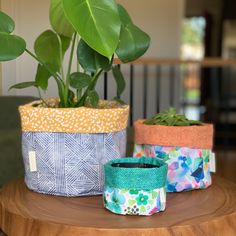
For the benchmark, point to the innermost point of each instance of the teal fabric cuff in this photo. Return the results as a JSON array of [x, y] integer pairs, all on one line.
[[136, 178]]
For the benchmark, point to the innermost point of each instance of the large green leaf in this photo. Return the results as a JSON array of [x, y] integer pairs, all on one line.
[[97, 22], [124, 16], [24, 85], [42, 77], [79, 80], [47, 48], [120, 81], [58, 19], [133, 43], [11, 46], [7, 25], [91, 60]]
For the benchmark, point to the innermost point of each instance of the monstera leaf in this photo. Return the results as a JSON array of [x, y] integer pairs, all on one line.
[[97, 22], [42, 77], [11, 46], [24, 85], [7, 25], [91, 60], [124, 16], [79, 80], [58, 19], [47, 48], [133, 41]]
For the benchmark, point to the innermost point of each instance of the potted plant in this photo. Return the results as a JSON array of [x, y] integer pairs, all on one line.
[[185, 145], [66, 140]]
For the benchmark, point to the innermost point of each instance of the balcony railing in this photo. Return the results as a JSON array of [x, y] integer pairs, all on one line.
[[205, 88]]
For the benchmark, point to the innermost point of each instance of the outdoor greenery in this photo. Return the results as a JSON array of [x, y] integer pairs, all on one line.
[[171, 118], [93, 30], [193, 31]]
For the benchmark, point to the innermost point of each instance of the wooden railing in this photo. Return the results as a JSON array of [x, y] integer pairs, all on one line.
[[208, 62]]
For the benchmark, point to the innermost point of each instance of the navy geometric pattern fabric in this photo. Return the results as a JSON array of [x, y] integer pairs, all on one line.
[[70, 164]]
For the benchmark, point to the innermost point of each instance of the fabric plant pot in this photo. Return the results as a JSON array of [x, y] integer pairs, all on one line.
[[135, 186], [64, 149], [186, 150]]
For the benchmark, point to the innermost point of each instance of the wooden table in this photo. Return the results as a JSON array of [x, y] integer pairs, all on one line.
[[200, 212]]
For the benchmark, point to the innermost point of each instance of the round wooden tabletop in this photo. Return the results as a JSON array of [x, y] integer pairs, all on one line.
[[201, 212]]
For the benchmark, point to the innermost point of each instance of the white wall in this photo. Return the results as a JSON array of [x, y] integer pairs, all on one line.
[[31, 18], [160, 18]]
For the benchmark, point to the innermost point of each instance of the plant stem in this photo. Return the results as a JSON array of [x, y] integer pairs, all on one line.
[[41, 98], [77, 63], [61, 58], [69, 69], [95, 79]]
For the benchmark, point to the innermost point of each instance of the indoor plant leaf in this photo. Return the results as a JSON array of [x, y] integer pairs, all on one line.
[[120, 81], [65, 41], [71, 98], [100, 25], [47, 48], [133, 43], [124, 16], [7, 25], [80, 80], [42, 77], [24, 85], [11, 46], [58, 19], [91, 60], [93, 98]]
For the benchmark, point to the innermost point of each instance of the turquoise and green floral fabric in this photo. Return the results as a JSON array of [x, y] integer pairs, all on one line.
[[134, 202], [188, 168]]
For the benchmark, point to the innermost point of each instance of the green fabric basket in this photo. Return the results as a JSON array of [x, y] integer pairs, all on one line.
[[135, 186]]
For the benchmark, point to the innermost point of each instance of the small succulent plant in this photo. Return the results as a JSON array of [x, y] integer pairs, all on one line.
[[171, 118]]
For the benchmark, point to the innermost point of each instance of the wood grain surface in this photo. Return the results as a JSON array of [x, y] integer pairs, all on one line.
[[200, 212], [206, 62]]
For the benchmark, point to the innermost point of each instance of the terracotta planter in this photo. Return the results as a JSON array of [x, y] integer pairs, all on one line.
[[186, 150], [64, 149]]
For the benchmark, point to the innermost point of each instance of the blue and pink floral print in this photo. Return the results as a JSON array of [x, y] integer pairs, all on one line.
[[188, 168]]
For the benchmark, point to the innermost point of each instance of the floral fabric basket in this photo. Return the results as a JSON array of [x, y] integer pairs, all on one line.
[[129, 190], [64, 149], [186, 150]]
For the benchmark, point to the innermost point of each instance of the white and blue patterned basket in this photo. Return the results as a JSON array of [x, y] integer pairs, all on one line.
[[68, 163]]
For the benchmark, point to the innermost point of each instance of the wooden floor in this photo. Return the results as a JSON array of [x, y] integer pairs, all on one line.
[[226, 164]]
